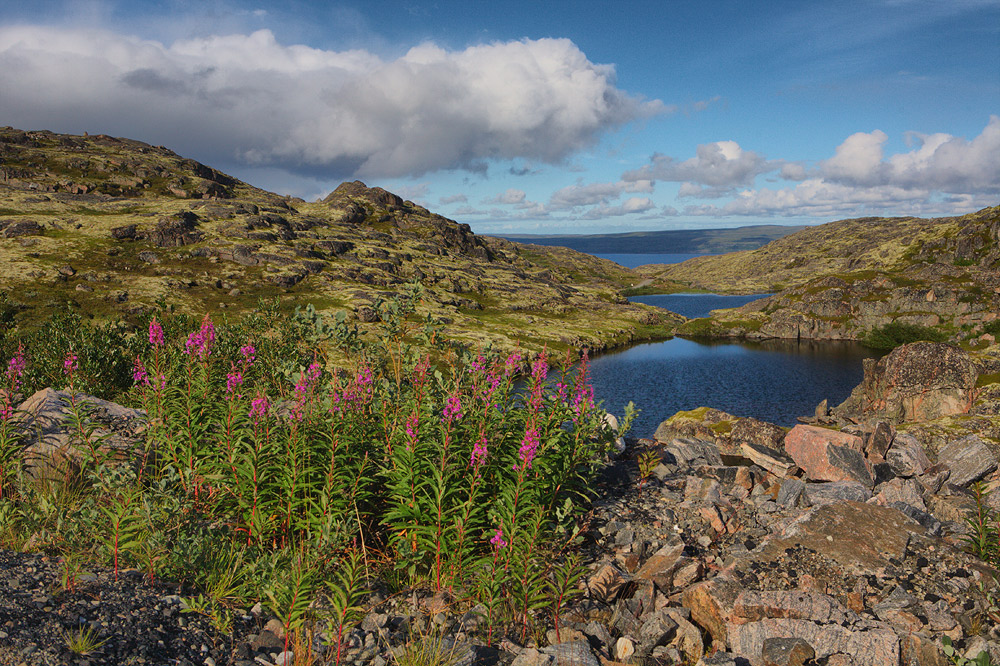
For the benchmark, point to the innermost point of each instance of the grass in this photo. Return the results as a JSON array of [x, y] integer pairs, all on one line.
[[896, 333], [269, 474], [83, 641]]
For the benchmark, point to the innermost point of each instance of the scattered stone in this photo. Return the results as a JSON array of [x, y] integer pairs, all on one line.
[[774, 461], [906, 456], [786, 652], [836, 491], [828, 455], [969, 460]]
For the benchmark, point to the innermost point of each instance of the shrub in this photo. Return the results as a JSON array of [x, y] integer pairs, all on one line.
[[894, 334]]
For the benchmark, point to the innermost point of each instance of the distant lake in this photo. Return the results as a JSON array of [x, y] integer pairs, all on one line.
[[693, 306], [633, 260], [772, 380]]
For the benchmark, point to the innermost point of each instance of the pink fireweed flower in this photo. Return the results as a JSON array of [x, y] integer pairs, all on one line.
[[540, 369], [200, 343], [258, 408], [6, 412], [249, 355], [512, 363], [139, 375], [233, 381], [70, 364], [478, 365], [314, 372], [155, 333], [452, 409], [563, 390], [584, 399], [479, 453], [528, 450], [16, 368], [497, 541], [412, 431]]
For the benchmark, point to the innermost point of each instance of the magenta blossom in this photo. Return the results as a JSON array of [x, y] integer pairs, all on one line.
[[233, 381], [139, 375], [16, 368], [6, 412], [528, 450], [258, 408], [453, 409], [479, 453], [155, 333], [70, 364], [249, 355], [512, 363], [200, 343], [497, 541]]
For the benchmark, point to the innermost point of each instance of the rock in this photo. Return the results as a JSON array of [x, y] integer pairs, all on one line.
[[790, 493], [773, 460], [606, 582], [786, 652], [879, 441], [720, 658], [22, 228], [908, 491], [752, 606], [874, 647], [694, 452], [149, 257], [934, 477], [711, 603], [533, 657], [624, 648], [661, 567], [969, 460], [754, 431], [859, 537], [822, 409], [828, 455], [921, 381], [127, 232], [836, 491], [572, 653], [906, 456], [50, 452], [925, 519], [921, 650]]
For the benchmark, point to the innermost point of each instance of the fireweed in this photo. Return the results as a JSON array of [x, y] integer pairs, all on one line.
[[453, 475]]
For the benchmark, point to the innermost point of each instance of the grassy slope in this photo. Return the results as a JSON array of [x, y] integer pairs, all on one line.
[[348, 251]]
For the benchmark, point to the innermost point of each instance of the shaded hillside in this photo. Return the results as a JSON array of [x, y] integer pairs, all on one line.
[[682, 241], [843, 279], [111, 226]]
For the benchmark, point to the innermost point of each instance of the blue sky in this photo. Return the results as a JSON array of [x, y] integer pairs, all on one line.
[[551, 117]]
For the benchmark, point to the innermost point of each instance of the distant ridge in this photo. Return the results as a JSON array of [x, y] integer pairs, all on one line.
[[684, 241]]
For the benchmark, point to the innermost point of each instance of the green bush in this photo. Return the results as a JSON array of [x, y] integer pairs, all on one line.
[[896, 333]]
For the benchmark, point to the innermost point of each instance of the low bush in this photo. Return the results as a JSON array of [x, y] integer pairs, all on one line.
[[894, 334]]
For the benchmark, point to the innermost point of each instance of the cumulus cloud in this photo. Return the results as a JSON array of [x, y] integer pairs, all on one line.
[[718, 164], [574, 196], [455, 198], [341, 113], [508, 198], [629, 206]]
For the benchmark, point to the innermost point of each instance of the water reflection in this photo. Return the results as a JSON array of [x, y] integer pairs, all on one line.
[[773, 380]]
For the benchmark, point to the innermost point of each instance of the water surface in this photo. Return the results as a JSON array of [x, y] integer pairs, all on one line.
[[693, 306], [633, 260], [773, 380]]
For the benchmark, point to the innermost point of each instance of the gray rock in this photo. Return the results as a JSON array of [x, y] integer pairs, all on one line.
[[926, 520], [774, 461], [906, 456], [572, 653], [786, 652], [790, 493], [969, 460], [836, 491]]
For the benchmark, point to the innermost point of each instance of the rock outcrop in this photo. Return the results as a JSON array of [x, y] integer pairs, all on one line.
[[922, 381]]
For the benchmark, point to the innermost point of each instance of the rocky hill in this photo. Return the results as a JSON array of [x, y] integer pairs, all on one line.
[[843, 279], [110, 226]]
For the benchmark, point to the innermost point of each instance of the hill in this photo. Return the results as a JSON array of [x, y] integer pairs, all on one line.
[[108, 226], [843, 279], [683, 241]]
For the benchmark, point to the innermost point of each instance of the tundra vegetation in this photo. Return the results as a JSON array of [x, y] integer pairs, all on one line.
[[267, 474]]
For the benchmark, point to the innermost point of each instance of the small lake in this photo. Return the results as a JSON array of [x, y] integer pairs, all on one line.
[[772, 380], [694, 306], [633, 260]]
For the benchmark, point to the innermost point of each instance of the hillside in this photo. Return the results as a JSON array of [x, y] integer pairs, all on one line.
[[843, 279], [108, 227], [679, 241]]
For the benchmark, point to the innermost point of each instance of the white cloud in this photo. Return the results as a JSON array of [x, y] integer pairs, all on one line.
[[455, 198], [346, 113], [940, 162], [718, 164], [508, 198], [587, 195], [629, 206]]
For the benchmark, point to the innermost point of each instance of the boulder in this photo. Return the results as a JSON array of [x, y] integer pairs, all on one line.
[[836, 491], [829, 455], [773, 460], [50, 450], [786, 652], [906, 456], [969, 460], [874, 647], [921, 381]]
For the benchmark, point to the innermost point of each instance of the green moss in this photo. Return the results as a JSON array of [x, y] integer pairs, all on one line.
[[897, 333], [987, 379], [721, 428]]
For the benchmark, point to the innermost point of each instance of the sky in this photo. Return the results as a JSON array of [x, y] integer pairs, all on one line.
[[541, 117]]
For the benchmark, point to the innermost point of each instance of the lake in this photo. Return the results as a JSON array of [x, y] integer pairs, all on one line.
[[772, 380], [693, 306], [633, 260]]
